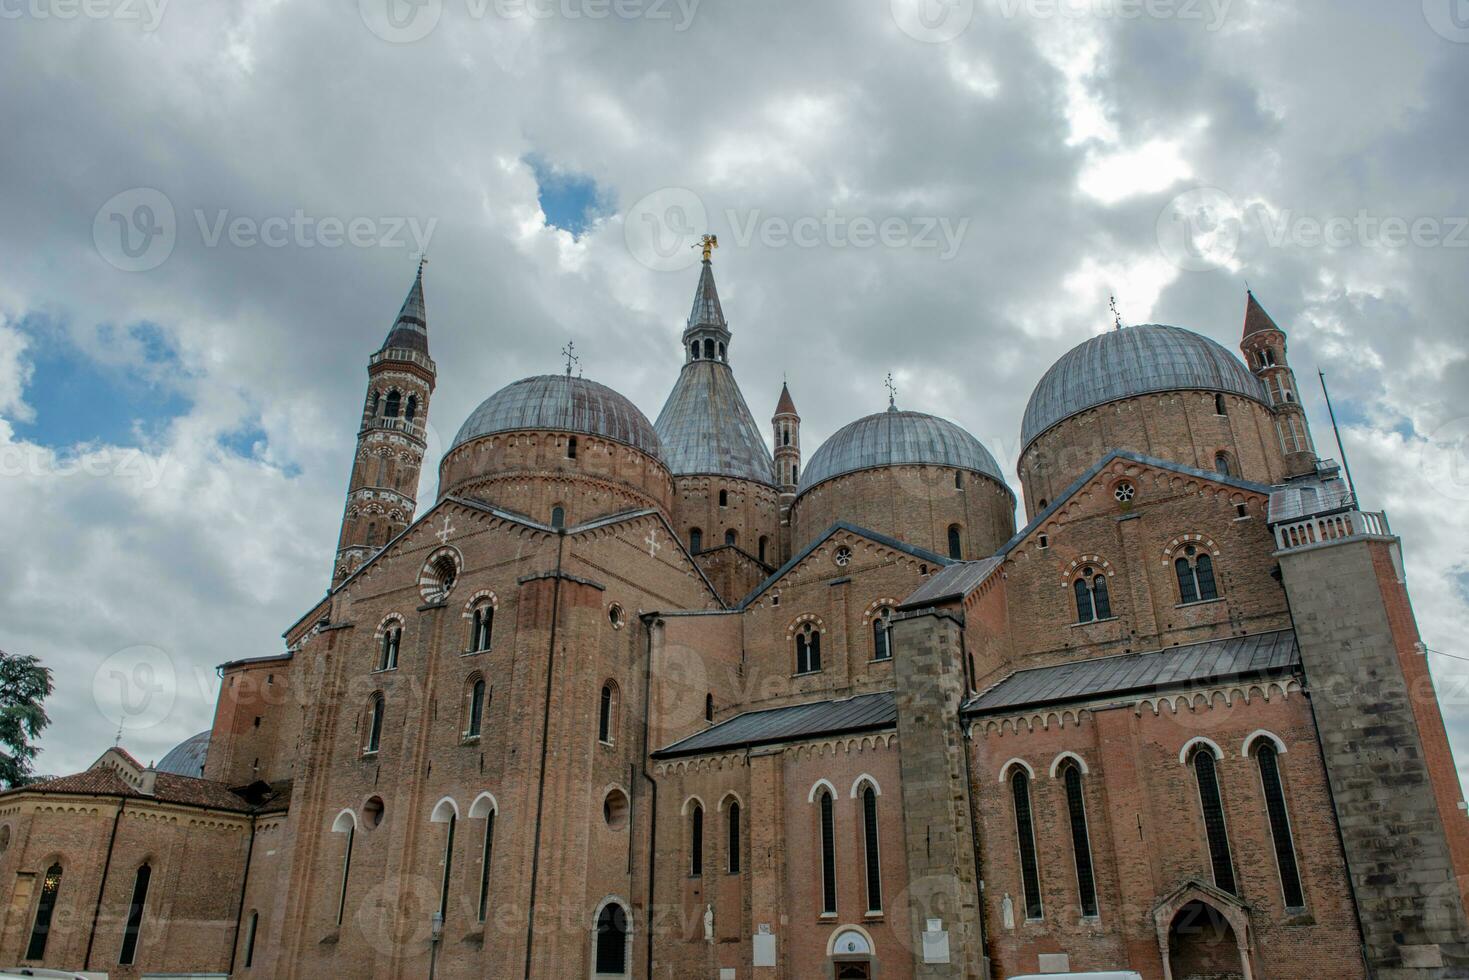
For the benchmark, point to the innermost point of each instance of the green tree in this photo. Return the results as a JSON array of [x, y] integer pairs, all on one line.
[[24, 685]]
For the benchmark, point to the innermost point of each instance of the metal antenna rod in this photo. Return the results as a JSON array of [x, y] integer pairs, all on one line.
[[1341, 449]]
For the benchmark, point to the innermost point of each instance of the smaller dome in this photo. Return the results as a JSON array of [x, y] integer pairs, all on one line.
[[1133, 361], [895, 438], [187, 757], [563, 404]]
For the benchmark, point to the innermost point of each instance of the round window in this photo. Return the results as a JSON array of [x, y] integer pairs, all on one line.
[[615, 616], [372, 811], [844, 556], [1124, 492], [439, 574]]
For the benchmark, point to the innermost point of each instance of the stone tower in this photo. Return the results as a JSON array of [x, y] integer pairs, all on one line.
[[382, 491], [1265, 352], [786, 426]]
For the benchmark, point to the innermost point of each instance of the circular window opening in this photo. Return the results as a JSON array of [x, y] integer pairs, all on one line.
[[614, 809], [844, 556], [438, 576], [615, 616], [372, 811], [1124, 492]]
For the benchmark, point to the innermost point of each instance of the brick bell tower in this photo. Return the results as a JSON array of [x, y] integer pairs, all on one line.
[[786, 425], [381, 495], [1265, 352]]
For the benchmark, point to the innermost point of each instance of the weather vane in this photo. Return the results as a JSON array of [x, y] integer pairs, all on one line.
[[569, 352], [1116, 317], [708, 243], [892, 391], [422, 261]]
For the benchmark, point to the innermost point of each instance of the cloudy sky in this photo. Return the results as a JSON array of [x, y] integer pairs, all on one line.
[[209, 214]]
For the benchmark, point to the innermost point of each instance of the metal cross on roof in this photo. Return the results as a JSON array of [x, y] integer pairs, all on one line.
[[1116, 317], [892, 391], [422, 261], [569, 352]]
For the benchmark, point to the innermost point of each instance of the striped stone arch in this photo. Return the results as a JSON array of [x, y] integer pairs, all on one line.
[[435, 580], [872, 608], [391, 619], [1009, 767], [479, 599], [1081, 561], [802, 620], [1199, 540]]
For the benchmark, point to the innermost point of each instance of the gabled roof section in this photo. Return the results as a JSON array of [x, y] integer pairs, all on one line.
[[793, 723], [954, 582], [116, 773], [822, 538], [1256, 319], [1260, 655]]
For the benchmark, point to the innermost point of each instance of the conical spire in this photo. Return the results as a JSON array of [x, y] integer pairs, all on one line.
[[786, 405], [1256, 319], [707, 312], [410, 329]]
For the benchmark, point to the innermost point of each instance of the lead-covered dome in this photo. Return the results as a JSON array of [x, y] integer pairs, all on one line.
[[564, 404], [895, 438], [187, 757], [1134, 361]]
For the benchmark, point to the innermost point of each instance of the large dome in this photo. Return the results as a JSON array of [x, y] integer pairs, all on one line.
[[564, 404], [1134, 361], [187, 757], [895, 438]]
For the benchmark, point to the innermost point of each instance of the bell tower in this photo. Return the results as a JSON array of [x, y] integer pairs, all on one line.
[[382, 491], [1265, 352], [787, 430]]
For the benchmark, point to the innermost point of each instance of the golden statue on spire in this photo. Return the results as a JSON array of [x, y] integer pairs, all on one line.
[[708, 243]]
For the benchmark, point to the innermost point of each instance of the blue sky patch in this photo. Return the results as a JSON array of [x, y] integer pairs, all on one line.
[[82, 397], [570, 201]]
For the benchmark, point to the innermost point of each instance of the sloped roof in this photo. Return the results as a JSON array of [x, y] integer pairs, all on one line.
[[954, 582], [565, 404], [706, 311], [706, 427], [1136, 673], [820, 539], [786, 405], [895, 438], [1256, 319], [167, 788], [410, 329], [796, 722]]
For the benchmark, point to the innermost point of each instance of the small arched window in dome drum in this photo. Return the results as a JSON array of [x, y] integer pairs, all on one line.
[[558, 516], [1220, 408], [696, 540], [1221, 464], [571, 448], [956, 542], [731, 537], [724, 498]]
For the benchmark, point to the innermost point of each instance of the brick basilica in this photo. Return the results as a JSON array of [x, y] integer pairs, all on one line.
[[647, 699]]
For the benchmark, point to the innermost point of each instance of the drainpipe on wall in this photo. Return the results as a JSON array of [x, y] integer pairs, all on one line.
[[649, 621], [102, 886], [244, 883]]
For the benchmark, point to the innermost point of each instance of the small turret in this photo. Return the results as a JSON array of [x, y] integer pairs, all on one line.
[[1264, 347]]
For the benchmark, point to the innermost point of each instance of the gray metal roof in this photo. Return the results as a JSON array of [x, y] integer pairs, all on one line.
[[866, 712], [564, 404], [706, 427], [410, 329], [706, 311], [895, 438], [1134, 361], [1307, 496], [187, 757], [1262, 653], [954, 582]]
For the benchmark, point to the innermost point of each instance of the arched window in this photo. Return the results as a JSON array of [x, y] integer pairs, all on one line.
[[762, 545], [828, 854], [611, 950], [1081, 847], [607, 715], [45, 909], [1196, 582], [412, 410], [724, 498], [250, 930], [1267, 758], [448, 867], [476, 708], [1219, 407], [708, 350], [734, 838], [375, 403], [870, 852], [709, 707], [956, 542], [696, 540], [482, 627], [882, 634], [808, 649], [571, 448], [721, 350], [696, 841], [374, 724], [730, 537], [484, 865], [391, 642], [794, 473], [1221, 464], [1207, 777], [785, 434], [394, 403], [694, 350], [134, 924], [558, 516], [1093, 599], [1030, 877], [351, 831]]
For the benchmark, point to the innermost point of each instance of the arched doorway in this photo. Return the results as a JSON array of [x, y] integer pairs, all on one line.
[[1202, 945], [851, 956]]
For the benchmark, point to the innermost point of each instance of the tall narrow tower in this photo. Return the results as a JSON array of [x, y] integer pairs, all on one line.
[[787, 429], [382, 492], [1265, 352]]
